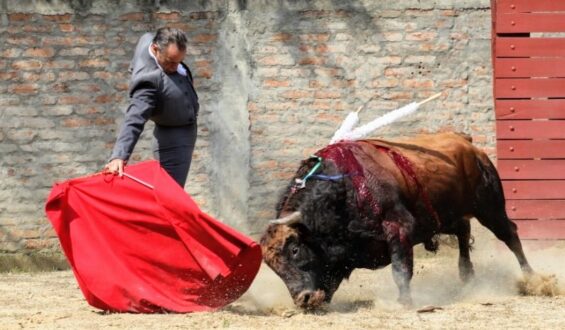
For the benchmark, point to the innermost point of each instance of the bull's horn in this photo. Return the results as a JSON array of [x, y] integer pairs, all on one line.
[[288, 220]]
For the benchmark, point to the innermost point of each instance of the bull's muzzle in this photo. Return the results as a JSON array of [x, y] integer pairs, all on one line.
[[309, 299]]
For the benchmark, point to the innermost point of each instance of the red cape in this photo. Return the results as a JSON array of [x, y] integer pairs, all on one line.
[[137, 249]]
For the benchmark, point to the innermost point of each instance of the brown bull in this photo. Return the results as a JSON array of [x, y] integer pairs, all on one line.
[[365, 204]]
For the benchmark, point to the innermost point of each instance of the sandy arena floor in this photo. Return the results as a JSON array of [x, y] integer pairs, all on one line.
[[367, 301]]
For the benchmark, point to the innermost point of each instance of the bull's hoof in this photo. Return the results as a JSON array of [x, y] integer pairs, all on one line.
[[406, 301], [310, 300], [466, 271]]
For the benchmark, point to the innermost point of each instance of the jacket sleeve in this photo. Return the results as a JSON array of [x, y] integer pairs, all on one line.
[[143, 100]]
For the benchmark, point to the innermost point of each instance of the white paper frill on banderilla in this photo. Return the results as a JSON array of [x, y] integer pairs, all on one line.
[[348, 132]]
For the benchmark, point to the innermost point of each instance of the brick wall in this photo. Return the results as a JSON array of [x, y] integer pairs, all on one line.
[[274, 79]]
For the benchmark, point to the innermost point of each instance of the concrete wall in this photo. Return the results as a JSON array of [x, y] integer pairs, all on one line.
[[274, 77]]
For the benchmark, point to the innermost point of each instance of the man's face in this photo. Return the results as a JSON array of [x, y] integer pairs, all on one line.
[[169, 58]]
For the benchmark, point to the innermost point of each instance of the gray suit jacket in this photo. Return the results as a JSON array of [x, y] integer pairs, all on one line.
[[167, 99]]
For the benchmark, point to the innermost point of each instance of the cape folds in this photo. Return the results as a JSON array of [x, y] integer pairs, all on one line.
[[143, 250]]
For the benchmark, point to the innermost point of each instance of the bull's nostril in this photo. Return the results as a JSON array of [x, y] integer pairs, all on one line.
[[306, 298]]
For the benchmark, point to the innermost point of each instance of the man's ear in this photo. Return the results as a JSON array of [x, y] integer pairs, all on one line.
[[154, 48]]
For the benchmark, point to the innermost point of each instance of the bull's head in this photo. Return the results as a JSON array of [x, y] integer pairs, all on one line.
[[306, 247]]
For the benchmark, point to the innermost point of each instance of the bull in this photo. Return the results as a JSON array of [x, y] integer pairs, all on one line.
[[365, 204]]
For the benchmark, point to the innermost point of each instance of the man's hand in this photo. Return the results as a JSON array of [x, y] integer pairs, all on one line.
[[115, 166]]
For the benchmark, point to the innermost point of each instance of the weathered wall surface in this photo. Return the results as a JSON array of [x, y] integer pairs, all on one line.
[[274, 77]]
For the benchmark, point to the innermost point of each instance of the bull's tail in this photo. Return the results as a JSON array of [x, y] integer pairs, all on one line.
[[490, 186], [490, 210]]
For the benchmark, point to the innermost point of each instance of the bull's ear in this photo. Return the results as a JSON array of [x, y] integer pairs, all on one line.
[[288, 220]]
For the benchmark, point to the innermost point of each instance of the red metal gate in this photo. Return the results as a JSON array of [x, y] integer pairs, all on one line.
[[528, 52]]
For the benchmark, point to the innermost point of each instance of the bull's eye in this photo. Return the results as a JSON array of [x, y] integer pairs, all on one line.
[[294, 250]]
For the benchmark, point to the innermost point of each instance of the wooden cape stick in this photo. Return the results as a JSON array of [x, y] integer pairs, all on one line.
[[139, 181]]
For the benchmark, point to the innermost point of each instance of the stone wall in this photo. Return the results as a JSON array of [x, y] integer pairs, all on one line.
[[275, 78]]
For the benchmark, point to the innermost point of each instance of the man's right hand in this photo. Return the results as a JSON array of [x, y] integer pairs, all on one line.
[[115, 166]]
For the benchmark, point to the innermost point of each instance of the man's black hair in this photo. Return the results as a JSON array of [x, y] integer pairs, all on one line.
[[166, 36]]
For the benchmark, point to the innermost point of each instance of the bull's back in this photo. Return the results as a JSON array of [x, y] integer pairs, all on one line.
[[444, 163]]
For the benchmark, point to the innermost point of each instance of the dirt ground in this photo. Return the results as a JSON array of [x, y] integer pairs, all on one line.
[[52, 300]]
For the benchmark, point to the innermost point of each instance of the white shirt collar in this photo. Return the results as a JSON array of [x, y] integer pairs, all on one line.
[[180, 69]]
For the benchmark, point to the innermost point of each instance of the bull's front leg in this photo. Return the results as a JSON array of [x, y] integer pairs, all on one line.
[[402, 258]]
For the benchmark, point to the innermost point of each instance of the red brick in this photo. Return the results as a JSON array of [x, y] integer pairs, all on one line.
[[76, 122], [328, 118], [275, 106], [58, 41], [314, 37], [30, 76], [7, 75], [27, 65], [59, 64], [23, 41], [104, 121], [183, 26], [322, 105], [66, 27], [174, 16], [133, 17], [416, 83], [418, 12], [398, 96], [102, 99], [75, 51], [281, 37], [199, 15], [296, 94], [34, 28], [252, 106], [322, 48], [18, 17], [314, 13], [94, 63], [433, 47], [60, 87], [87, 87], [453, 83], [317, 84], [73, 100], [205, 72], [39, 52], [266, 165], [311, 60], [103, 75], [276, 60], [276, 83], [24, 89], [11, 53], [327, 95], [58, 18], [121, 86], [204, 37], [459, 36], [385, 83], [340, 83], [73, 75], [448, 12]]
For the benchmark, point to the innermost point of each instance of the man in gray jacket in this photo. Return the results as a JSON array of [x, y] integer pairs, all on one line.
[[161, 90]]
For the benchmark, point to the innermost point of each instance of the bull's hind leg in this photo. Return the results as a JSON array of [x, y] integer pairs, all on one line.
[[491, 212], [506, 230]]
